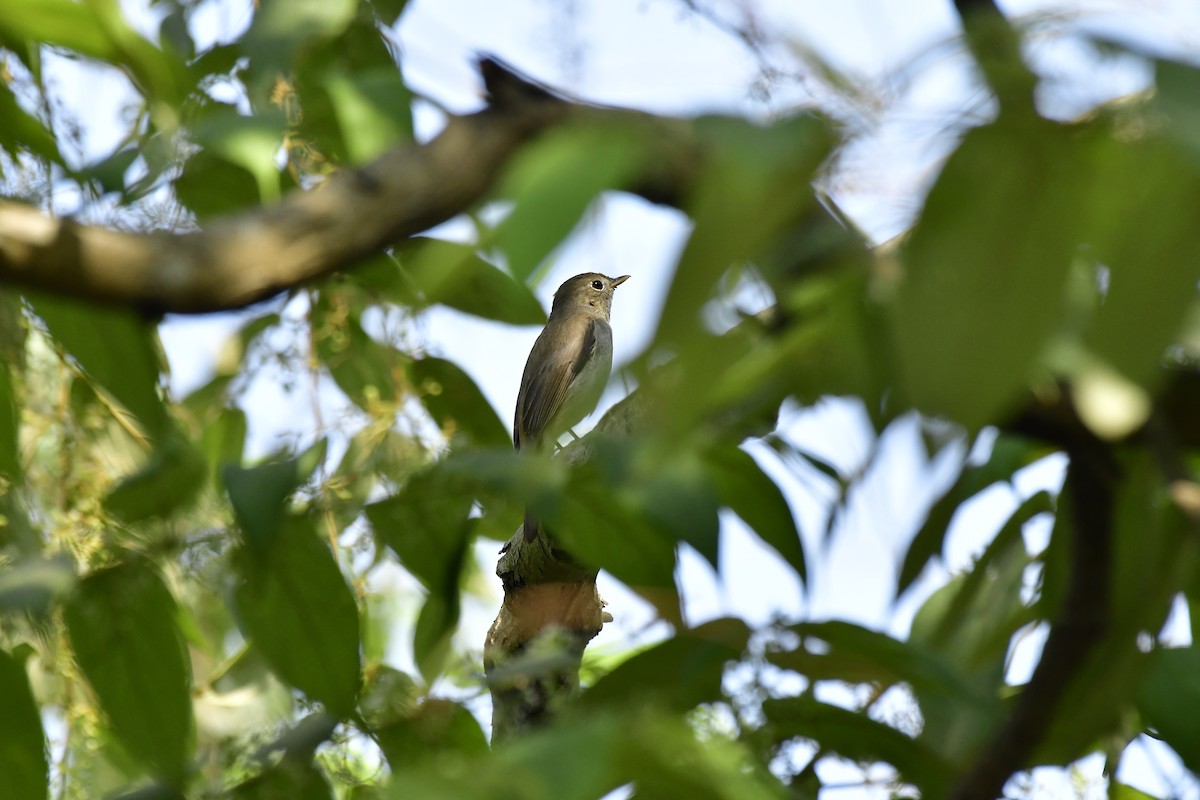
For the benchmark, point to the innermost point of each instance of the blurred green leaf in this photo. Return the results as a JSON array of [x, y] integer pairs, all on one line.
[[676, 494], [856, 736], [121, 623], [456, 403], [109, 172], [432, 727], [117, 350], [1141, 186], [1169, 701], [22, 132], [250, 142], [678, 674], [223, 441], [752, 495], [985, 269], [169, 479], [290, 779], [10, 424], [552, 182], [283, 30], [211, 187], [426, 525], [755, 183], [1008, 455], [365, 369], [296, 609], [454, 275], [372, 109], [22, 744], [258, 494]]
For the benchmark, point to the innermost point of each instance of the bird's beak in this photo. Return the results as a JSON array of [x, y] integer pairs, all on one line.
[[618, 281]]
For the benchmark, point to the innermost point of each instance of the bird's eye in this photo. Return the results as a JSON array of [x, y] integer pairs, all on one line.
[[597, 285]]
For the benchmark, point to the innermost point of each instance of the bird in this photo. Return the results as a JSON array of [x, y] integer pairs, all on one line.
[[568, 365]]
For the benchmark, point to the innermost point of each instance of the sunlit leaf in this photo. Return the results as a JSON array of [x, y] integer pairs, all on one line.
[[372, 110]]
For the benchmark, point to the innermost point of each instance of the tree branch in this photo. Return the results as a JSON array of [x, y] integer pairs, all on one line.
[[239, 260]]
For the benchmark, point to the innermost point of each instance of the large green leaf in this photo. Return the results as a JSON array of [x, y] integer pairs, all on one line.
[[426, 525], [553, 181], [366, 370], [283, 31], [22, 132], [296, 608], [856, 736], [752, 495], [249, 142], [258, 493], [456, 403], [454, 275], [172, 477], [1169, 701], [372, 111], [22, 745], [985, 269], [122, 626], [678, 674], [117, 349]]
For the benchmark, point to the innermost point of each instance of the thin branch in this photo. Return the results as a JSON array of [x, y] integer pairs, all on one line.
[[996, 47]]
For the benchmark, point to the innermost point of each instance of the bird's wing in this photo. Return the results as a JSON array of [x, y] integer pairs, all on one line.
[[550, 383]]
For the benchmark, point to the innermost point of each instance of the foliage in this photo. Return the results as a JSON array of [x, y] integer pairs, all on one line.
[[194, 618]]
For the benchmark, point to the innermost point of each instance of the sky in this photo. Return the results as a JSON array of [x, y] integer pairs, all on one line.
[[653, 55]]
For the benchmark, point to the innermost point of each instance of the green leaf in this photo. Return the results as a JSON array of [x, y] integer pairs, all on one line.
[[258, 493], [283, 30], [676, 495], [456, 403], [426, 526], [454, 275], [372, 110], [294, 606], [431, 727], [855, 654], [1008, 455], [22, 132], [678, 674], [171, 477], [985, 269], [553, 181], [1149, 249], [857, 737], [22, 744], [754, 186], [752, 495], [211, 186], [224, 440], [122, 626], [290, 779], [249, 142], [363, 368], [10, 424], [117, 349], [109, 172]]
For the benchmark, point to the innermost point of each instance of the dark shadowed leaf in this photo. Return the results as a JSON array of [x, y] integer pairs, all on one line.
[[171, 477], [258, 494], [295, 607], [857, 737], [290, 779], [22, 132], [678, 674], [211, 186], [456, 403], [752, 495], [22, 745], [122, 626]]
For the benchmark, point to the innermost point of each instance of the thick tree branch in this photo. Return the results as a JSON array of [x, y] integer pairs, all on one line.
[[242, 259]]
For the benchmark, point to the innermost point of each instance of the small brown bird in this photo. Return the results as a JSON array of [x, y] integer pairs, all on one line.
[[568, 366]]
